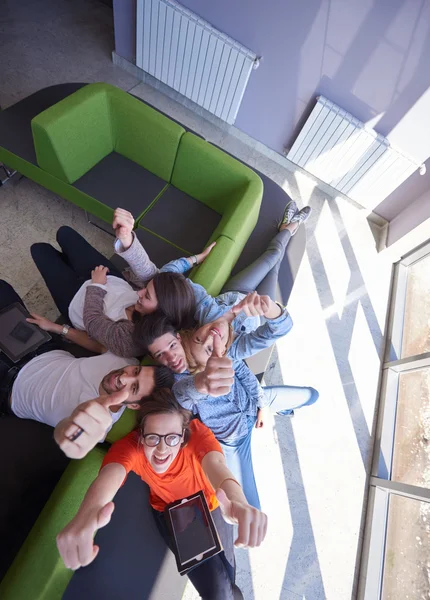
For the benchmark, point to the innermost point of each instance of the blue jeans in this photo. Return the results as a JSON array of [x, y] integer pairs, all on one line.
[[283, 400]]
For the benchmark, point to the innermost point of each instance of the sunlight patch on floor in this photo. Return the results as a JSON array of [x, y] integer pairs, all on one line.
[[333, 258]]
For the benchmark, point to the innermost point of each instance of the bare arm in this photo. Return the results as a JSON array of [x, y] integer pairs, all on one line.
[[235, 508], [81, 338], [76, 541]]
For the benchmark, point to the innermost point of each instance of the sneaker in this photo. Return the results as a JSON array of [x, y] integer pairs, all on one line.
[[302, 215], [289, 212]]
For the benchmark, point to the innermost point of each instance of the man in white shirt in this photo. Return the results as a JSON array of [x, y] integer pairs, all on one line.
[[50, 385]]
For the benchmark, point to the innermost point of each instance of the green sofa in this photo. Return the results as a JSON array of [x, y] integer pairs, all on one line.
[[185, 193], [99, 147], [100, 138]]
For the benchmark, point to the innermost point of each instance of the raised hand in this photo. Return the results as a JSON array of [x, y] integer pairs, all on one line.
[[123, 223], [218, 376], [251, 521], [75, 542], [99, 274], [253, 305], [87, 425]]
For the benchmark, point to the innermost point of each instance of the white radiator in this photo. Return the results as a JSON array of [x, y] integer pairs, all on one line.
[[186, 53], [338, 149]]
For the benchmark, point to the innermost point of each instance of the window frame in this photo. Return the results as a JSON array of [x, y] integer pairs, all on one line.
[[380, 485]]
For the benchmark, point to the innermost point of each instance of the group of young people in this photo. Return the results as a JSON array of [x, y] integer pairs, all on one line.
[[198, 406]]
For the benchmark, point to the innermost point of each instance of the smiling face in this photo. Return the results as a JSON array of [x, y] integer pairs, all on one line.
[[138, 381], [201, 342], [162, 456], [147, 302], [168, 350]]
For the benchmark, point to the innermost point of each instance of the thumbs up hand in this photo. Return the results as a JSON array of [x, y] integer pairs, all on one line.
[[252, 523], [75, 542], [218, 376], [87, 425]]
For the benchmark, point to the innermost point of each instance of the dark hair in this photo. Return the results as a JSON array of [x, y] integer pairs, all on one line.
[[163, 379], [150, 327], [162, 401], [176, 298]]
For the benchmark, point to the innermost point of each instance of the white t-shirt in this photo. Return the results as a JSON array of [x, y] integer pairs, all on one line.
[[52, 385], [120, 295]]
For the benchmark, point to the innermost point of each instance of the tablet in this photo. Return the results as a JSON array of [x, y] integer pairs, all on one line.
[[17, 337], [193, 531]]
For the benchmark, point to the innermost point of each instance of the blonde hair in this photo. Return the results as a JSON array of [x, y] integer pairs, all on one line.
[[194, 366]]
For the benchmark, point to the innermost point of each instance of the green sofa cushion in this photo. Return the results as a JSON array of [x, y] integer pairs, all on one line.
[[144, 135], [38, 571], [74, 134]]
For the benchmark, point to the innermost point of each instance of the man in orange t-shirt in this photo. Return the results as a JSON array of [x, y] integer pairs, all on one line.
[[175, 458]]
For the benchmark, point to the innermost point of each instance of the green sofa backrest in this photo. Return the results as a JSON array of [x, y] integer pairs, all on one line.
[[72, 136], [144, 135], [38, 571], [210, 175]]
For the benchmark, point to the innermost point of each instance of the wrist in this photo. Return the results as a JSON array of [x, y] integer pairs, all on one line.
[[199, 383], [55, 328], [126, 240]]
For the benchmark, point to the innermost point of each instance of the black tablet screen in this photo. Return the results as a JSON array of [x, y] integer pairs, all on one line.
[[191, 530]]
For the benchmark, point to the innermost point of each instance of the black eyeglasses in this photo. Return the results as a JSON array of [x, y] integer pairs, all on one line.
[[170, 439]]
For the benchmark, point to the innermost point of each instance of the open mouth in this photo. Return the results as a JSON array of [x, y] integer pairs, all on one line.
[[160, 461], [216, 331], [115, 382]]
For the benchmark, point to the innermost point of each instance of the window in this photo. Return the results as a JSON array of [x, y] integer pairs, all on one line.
[[396, 550]]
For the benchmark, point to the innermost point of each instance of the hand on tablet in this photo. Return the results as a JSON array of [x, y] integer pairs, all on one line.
[[251, 521], [87, 425]]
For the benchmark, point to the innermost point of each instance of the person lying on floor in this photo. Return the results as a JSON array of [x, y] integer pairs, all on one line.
[[213, 381], [49, 383], [108, 307], [102, 306], [176, 457]]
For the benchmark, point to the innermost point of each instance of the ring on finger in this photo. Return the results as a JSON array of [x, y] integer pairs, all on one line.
[[77, 434]]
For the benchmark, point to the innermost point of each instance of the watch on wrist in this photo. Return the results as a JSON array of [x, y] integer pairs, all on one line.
[[65, 330]]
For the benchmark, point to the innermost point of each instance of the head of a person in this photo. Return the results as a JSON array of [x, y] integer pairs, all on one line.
[[163, 427], [198, 343], [139, 381], [172, 294], [159, 338]]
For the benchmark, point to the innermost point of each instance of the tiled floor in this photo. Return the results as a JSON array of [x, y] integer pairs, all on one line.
[[311, 469]]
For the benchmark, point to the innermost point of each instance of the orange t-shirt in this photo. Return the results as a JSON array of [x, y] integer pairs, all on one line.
[[185, 475]]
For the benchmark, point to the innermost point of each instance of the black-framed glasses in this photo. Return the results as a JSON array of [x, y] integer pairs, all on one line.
[[170, 439]]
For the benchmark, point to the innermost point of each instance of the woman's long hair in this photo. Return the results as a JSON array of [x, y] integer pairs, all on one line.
[[176, 299], [162, 401]]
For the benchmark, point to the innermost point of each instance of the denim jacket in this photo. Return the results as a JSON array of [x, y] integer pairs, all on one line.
[[227, 415]]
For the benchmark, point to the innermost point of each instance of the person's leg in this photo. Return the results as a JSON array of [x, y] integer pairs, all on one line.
[[80, 255], [213, 579], [61, 280], [249, 278], [285, 398], [8, 295], [239, 460]]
